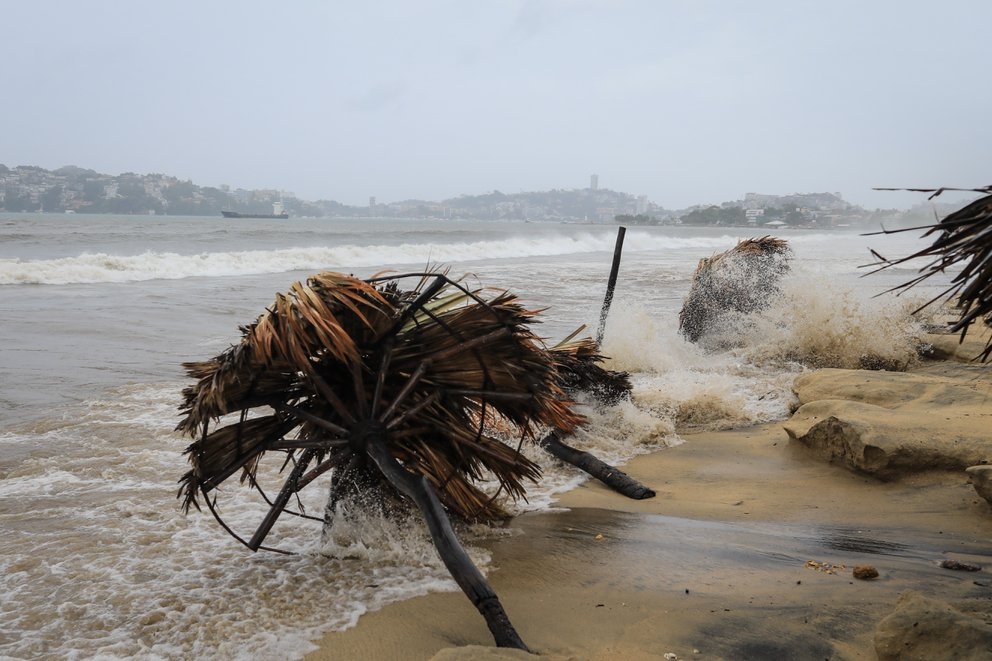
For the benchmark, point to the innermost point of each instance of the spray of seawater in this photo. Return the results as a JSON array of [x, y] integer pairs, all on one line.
[[838, 327], [741, 371]]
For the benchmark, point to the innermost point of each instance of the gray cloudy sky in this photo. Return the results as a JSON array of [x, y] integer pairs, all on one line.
[[686, 101]]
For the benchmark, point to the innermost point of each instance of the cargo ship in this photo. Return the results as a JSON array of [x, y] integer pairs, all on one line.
[[277, 212]]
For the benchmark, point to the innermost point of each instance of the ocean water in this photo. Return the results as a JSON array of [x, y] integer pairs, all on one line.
[[98, 562]]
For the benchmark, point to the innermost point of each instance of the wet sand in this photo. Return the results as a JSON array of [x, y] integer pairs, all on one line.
[[717, 566]]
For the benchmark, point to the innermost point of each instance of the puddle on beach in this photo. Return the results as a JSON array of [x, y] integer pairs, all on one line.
[[697, 546], [745, 590]]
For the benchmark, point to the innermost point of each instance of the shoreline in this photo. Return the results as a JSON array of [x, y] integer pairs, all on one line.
[[716, 566]]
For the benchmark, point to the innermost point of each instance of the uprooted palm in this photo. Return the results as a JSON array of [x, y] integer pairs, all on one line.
[[365, 376], [338, 358]]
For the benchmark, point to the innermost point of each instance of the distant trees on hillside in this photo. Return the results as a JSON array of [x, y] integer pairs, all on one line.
[[714, 215], [639, 219]]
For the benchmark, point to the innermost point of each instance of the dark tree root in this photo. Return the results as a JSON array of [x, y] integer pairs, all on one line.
[[612, 477]]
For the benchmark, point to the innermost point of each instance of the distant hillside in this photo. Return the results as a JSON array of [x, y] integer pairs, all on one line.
[[74, 189], [584, 204], [71, 188]]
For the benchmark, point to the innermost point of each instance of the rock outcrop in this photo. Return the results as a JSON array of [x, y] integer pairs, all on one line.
[[981, 478], [925, 628], [889, 423]]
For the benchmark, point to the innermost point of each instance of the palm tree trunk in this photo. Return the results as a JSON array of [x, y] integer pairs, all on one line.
[[466, 574]]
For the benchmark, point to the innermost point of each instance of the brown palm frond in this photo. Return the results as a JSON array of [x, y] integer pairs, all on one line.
[[963, 237], [223, 452], [742, 279], [579, 369], [344, 362]]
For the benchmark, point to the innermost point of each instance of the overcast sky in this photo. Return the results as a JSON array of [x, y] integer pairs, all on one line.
[[687, 102]]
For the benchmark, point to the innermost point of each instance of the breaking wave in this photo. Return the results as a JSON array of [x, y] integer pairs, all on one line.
[[150, 265]]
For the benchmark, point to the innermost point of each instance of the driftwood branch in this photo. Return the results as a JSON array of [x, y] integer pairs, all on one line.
[[612, 477], [466, 574]]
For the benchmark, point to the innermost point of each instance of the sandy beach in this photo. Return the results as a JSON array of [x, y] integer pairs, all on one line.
[[746, 552]]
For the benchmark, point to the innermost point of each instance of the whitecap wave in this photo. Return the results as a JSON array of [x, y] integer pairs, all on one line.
[[88, 268]]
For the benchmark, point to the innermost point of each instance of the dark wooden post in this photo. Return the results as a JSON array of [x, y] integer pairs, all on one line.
[[611, 284]]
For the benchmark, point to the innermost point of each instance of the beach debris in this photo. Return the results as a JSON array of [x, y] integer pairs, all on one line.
[[824, 567], [959, 566], [578, 366], [409, 388], [864, 572], [399, 390], [961, 245], [741, 280]]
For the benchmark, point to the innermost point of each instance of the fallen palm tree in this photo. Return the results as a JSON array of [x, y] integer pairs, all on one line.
[[407, 395], [961, 238], [397, 390], [740, 280]]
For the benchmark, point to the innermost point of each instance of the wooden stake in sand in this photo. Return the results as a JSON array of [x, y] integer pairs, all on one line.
[[611, 284]]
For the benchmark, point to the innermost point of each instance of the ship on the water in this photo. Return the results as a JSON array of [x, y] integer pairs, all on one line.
[[277, 212]]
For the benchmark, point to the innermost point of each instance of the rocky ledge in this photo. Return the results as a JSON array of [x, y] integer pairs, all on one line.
[[891, 423]]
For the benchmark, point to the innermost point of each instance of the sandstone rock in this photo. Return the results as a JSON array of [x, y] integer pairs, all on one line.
[[950, 346], [924, 628], [889, 423], [981, 478]]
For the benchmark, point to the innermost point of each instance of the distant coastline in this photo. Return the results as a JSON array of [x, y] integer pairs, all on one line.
[[71, 189]]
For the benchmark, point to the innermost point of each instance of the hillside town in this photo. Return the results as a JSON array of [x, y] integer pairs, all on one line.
[[72, 189]]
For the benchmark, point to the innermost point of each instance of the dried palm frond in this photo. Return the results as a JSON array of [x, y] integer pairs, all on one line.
[[579, 369], [338, 362], [742, 279], [963, 237]]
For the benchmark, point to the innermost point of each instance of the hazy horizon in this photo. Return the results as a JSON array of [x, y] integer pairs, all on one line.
[[685, 102]]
